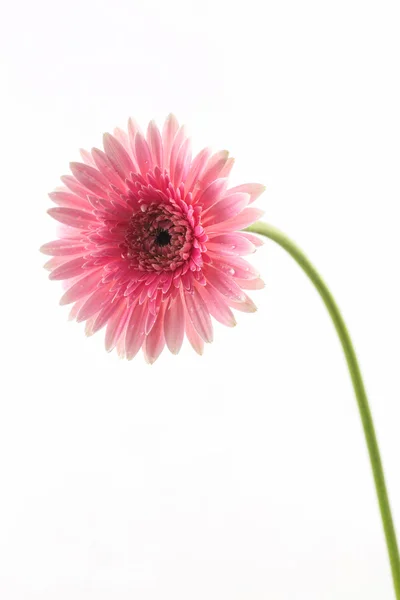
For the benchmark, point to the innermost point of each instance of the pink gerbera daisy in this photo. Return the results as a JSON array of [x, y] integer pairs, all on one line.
[[150, 242]]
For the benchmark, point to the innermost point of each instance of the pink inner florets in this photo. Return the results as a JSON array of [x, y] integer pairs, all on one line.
[[164, 232]]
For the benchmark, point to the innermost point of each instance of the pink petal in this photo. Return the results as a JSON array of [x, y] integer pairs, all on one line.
[[254, 239], [86, 157], [155, 341], [227, 208], [155, 143], [94, 303], [56, 261], [135, 330], [246, 306], [105, 166], [63, 247], [242, 220], [121, 344], [230, 243], [90, 178], [72, 184], [68, 233], [116, 325], [174, 324], [250, 284], [193, 337], [69, 269], [69, 200], [118, 156], [89, 324], [196, 169], [182, 163], [151, 318], [214, 168], [105, 315], [122, 137], [133, 129], [83, 287], [217, 305], [227, 168], [254, 189], [224, 284], [142, 154], [211, 194], [170, 128], [199, 315], [75, 309], [72, 217], [241, 268], [179, 139]]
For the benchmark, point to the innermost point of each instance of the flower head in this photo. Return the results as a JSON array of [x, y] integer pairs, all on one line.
[[150, 243]]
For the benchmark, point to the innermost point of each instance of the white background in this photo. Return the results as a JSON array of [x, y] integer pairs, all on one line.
[[242, 474]]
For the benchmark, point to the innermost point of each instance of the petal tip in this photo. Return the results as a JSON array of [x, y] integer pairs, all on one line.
[[150, 360], [106, 137], [172, 117], [174, 351]]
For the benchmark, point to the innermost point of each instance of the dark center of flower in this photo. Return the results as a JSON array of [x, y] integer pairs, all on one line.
[[163, 238], [159, 237]]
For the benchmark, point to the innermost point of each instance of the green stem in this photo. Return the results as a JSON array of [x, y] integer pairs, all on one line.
[[358, 385]]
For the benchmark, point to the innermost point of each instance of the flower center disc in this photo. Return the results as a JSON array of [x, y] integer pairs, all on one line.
[[163, 238]]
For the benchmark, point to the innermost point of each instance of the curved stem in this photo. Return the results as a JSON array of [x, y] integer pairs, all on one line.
[[358, 385]]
